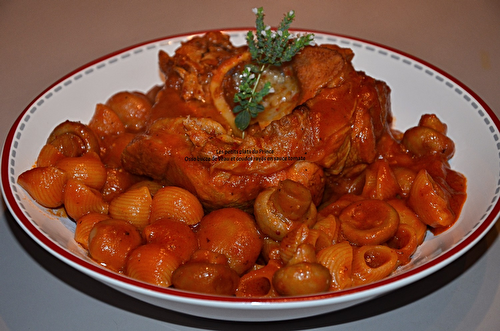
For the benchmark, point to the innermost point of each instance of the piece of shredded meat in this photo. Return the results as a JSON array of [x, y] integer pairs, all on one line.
[[335, 124]]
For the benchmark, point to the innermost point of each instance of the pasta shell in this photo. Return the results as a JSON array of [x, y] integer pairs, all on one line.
[[380, 181], [430, 201], [291, 242], [405, 178], [45, 185], [79, 200], [338, 260], [151, 185], [152, 263], [87, 168], [117, 182], [371, 263], [272, 224], [48, 156], [330, 225], [176, 203], [336, 207], [259, 282], [318, 239], [303, 253], [133, 206], [409, 218], [84, 225], [404, 242], [270, 249], [369, 222]]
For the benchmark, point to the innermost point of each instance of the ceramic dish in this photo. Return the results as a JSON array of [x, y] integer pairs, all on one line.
[[417, 88]]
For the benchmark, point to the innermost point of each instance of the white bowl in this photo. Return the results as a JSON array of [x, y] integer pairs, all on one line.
[[417, 88]]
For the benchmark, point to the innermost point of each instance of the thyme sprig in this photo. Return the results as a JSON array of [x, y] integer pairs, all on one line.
[[267, 48]]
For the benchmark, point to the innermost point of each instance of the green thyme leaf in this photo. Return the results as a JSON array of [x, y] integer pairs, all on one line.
[[242, 120], [267, 48]]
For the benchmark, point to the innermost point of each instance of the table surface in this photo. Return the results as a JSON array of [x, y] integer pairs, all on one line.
[[41, 41]]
